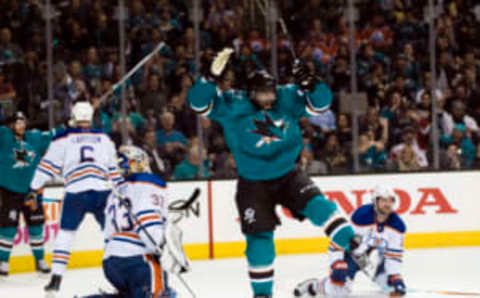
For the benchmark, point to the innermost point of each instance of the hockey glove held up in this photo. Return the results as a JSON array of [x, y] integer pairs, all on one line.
[[303, 78], [218, 65]]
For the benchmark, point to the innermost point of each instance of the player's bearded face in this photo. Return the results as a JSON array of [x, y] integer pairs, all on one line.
[[265, 99], [385, 205], [19, 127]]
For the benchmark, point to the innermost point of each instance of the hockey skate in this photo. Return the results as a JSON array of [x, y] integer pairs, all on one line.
[[51, 290], [42, 268], [307, 288]]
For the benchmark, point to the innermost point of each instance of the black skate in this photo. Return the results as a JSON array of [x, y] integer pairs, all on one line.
[[53, 286], [42, 267], [307, 287]]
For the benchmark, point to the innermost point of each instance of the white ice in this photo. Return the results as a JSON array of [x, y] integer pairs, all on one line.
[[455, 269]]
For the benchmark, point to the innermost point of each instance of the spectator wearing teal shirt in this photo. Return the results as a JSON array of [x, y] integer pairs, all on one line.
[[189, 168], [462, 141], [168, 136]]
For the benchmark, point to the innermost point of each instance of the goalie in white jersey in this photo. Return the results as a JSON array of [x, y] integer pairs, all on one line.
[[382, 232], [87, 160], [135, 223]]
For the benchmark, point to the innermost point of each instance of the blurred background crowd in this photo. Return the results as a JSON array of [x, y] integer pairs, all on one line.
[[393, 72]]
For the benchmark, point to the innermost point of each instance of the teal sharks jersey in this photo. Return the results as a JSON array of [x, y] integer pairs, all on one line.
[[21, 157], [265, 143]]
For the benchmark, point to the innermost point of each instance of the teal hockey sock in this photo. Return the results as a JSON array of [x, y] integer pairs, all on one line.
[[323, 212], [7, 235], [35, 236], [260, 255]]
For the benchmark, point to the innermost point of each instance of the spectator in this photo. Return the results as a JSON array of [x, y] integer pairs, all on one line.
[[371, 153], [410, 138], [172, 141], [463, 145], [153, 97], [309, 164], [459, 116], [189, 168], [9, 51], [333, 156], [7, 98], [158, 164], [225, 167]]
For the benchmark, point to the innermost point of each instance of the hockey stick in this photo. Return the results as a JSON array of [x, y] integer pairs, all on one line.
[[131, 72], [410, 290], [193, 197], [159, 250]]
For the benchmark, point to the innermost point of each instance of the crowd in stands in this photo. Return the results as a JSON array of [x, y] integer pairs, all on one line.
[[393, 70]]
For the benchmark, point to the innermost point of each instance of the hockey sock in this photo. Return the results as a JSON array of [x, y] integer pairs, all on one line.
[[323, 212], [260, 255], [35, 235], [6, 242], [61, 251]]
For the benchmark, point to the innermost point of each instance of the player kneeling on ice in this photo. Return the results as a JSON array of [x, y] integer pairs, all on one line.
[[383, 231], [135, 231]]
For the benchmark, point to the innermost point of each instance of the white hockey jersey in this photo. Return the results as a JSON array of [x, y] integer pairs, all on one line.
[[147, 197], [387, 238], [87, 160]]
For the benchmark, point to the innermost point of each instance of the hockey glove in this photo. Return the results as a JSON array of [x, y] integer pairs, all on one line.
[[31, 200], [358, 252], [303, 78], [339, 271], [396, 282], [218, 65]]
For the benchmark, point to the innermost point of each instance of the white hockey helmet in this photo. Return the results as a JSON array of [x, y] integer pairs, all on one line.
[[132, 159], [82, 111], [382, 191]]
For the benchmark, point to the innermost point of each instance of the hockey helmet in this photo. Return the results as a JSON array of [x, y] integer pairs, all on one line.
[[132, 159], [382, 192], [260, 80], [82, 111]]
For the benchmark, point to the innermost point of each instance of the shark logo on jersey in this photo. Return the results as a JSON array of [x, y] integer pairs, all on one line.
[[271, 131], [23, 157]]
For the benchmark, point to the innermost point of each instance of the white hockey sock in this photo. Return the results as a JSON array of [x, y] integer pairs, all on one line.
[[61, 251]]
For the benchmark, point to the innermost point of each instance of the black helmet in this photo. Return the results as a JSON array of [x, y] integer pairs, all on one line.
[[260, 80], [19, 115]]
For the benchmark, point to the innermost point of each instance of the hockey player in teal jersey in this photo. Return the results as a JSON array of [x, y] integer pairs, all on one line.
[[21, 151], [261, 128]]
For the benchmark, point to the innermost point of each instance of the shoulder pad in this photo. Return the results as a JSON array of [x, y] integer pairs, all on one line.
[[395, 222], [148, 178], [364, 216]]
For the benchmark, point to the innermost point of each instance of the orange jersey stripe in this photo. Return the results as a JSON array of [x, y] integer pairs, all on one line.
[[87, 172], [43, 165], [126, 234], [149, 217], [387, 254], [61, 257]]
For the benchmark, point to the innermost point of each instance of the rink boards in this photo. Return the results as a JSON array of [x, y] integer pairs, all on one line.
[[440, 210]]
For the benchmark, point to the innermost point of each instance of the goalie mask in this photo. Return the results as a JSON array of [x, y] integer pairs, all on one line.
[[384, 200], [132, 159]]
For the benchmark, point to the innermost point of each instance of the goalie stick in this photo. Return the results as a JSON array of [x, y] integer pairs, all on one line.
[[193, 197], [183, 263]]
